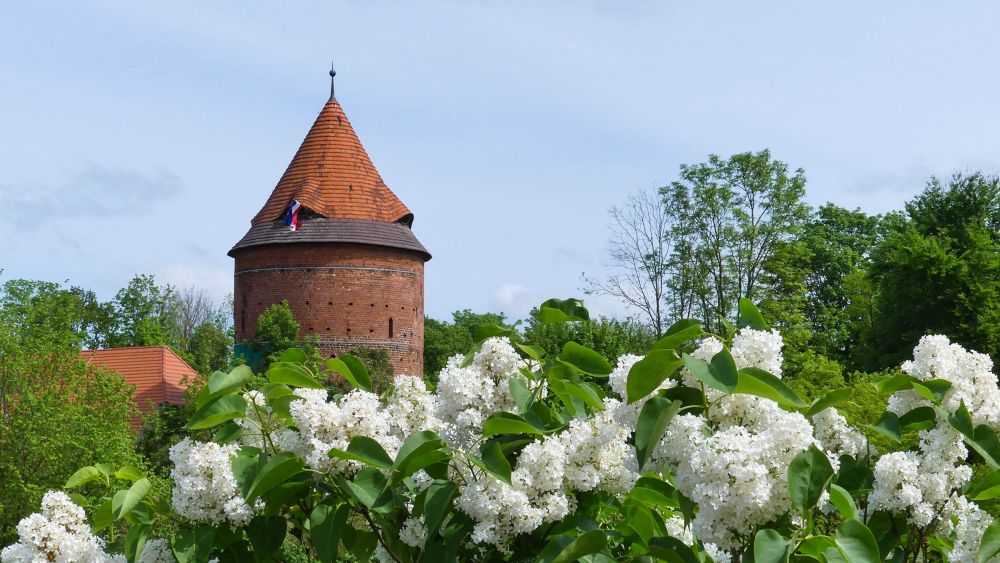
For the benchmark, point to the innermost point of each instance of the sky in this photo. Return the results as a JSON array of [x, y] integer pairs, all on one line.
[[142, 137]]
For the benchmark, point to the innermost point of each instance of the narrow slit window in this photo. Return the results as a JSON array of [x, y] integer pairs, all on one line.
[[390, 327]]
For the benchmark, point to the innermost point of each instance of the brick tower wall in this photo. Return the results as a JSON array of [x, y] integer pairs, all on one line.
[[349, 295]]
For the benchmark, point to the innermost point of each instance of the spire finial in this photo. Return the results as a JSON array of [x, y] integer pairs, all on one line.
[[333, 73]]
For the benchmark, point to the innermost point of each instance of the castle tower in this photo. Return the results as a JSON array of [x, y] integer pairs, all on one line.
[[352, 272]]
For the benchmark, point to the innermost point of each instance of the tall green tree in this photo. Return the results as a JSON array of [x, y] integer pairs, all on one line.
[[938, 271], [145, 314], [732, 217], [56, 412]]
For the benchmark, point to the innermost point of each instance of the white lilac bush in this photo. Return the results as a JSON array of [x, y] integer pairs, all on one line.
[[696, 452]]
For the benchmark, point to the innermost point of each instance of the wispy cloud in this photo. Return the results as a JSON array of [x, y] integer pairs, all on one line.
[[93, 191]]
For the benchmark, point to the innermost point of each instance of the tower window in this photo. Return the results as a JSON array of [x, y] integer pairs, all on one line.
[[390, 327]]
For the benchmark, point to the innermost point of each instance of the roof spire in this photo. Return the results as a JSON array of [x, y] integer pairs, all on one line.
[[333, 73]]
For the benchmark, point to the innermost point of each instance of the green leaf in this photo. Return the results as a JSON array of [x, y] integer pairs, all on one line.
[[654, 417], [135, 541], [326, 525], [562, 310], [437, 502], [987, 445], [830, 399], [586, 392], [292, 374], [83, 476], [365, 450], [985, 488], [843, 501], [678, 333], [856, 542], [520, 392], [589, 543], [770, 547], [750, 316], [129, 473], [808, 474], [367, 486], [507, 423], [647, 374], [962, 421], [193, 546], [221, 382], [755, 381], [584, 359], [989, 546], [890, 384], [482, 332], [344, 368], [495, 462], [132, 497], [293, 355], [277, 469], [359, 370], [719, 374], [103, 516], [672, 550], [920, 418], [932, 390], [246, 466], [534, 352], [266, 534], [217, 411], [228, 432], [888, 426], [413, 447]]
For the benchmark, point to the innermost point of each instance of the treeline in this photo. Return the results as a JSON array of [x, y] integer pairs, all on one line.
[[143, 313], [842, 285]]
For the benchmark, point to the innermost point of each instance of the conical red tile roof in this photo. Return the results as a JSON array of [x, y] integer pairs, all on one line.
[[332, 176]]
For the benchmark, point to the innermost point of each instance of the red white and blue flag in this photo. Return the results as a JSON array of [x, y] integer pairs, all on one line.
[[292, 221]]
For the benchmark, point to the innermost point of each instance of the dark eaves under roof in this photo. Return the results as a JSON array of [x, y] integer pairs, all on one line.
[[326, 230]]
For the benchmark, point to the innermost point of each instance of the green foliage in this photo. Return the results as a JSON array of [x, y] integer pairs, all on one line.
[[380, 371], [442, 339], [938, 271], [609, 337], [209, 348], [145, 314], [58, 414], [277, 331]]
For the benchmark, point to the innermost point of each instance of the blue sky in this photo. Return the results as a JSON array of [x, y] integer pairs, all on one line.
[[142, 137]]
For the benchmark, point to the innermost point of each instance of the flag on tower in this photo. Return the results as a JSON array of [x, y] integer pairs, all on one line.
[[292, 221]]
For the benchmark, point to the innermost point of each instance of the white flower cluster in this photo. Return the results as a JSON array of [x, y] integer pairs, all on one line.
[[58, 533], [920, 483], [412, 408], [733, 460], [323, 425], [258, 420], [836, 438], [970, 374], [628, 415], [592, 454], [965, 522], [467, 395], [156, 551], [675, 527], [204, 485]]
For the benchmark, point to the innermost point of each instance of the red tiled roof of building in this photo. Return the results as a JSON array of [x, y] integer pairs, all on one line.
[[159, 375], [332, 176]]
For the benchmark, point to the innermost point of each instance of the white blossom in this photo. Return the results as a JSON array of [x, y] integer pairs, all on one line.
[[326, 424], [156, 551], [204, 485], [58, 533], [836, 437]]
